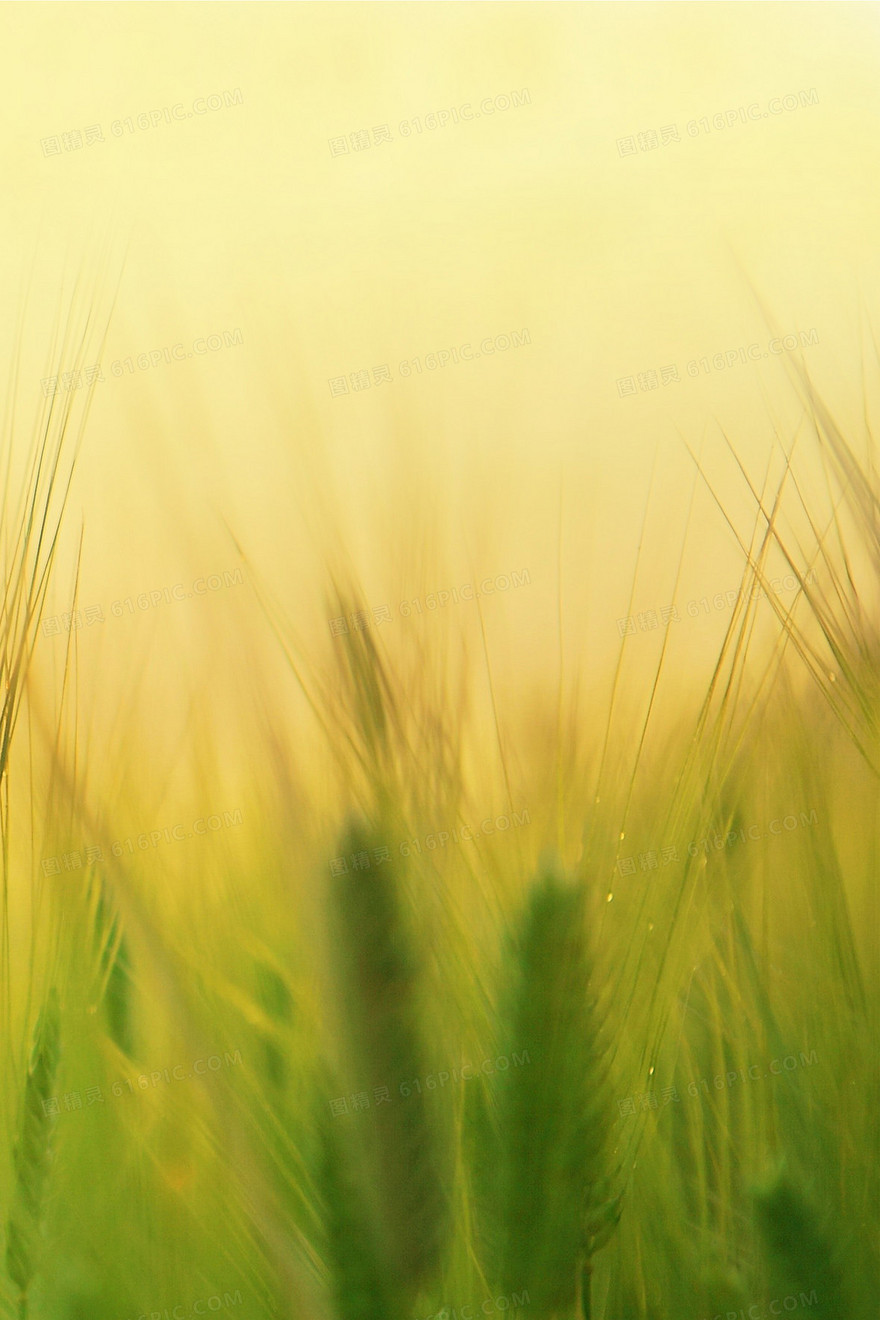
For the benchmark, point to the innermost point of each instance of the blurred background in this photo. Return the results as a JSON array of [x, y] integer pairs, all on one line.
[[296, 222]]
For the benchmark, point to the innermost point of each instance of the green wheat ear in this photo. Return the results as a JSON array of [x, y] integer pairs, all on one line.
[[799, 1258], [363, 1288], [32, 1154], [552, 1108], [397, 1145]]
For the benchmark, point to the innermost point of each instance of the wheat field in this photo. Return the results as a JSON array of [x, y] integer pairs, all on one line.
[[439, 785]]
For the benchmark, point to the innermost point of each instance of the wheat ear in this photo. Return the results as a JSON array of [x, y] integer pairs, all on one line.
[[552, 1107], [363, 1287], [397, 1142], [797, 1252], [32, 1154]]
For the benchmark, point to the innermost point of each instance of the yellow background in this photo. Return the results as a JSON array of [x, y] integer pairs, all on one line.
[[528, 218]]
